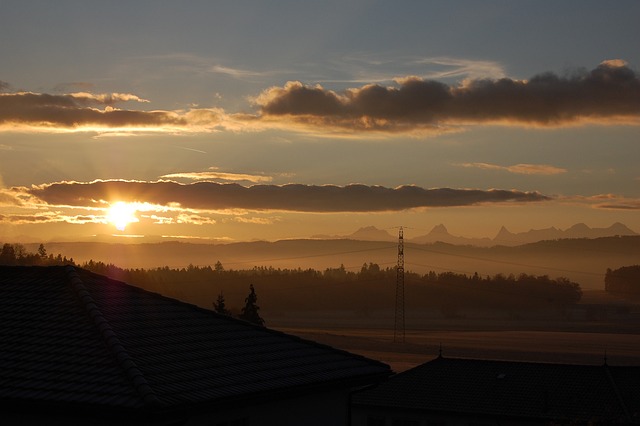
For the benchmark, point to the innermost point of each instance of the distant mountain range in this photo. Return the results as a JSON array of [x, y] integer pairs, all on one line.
[[439, 233]]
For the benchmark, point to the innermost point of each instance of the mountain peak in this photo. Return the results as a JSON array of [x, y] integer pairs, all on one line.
[[368, 229], [620, 229], [371, 233], [579, 227], [439, 229], [504, 233]]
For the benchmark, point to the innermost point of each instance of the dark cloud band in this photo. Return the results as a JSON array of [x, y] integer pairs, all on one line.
[[611, 90], [292, 197], [87, 111]]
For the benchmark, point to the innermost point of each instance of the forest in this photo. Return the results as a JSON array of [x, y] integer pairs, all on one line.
[[333, 289], [623, 281]]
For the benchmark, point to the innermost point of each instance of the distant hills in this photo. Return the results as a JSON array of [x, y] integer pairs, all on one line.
[[504, 237], [583, 260]]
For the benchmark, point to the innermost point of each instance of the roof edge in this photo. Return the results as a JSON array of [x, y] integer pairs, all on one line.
[[111, 340]]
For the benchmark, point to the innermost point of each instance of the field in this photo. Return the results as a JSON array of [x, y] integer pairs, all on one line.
[[423, 345], [539, 340]]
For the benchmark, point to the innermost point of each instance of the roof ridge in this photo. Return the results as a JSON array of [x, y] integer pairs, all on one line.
[[111, 340]]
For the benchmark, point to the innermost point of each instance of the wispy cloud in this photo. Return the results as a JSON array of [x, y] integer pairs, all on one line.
[[50, 217], [363, 68], [615, 202], [214, 174], [292, 197], [522, 169], [234, 72], [256, 220], [192, 149], [195, 219], [610, 93], [86, 98], [458, 67]]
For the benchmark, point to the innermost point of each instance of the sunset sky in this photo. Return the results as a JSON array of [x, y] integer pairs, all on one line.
[[242, 120]]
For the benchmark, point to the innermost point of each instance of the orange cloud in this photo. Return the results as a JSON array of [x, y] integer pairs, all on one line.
[[522, 169], [215, 175], [606, 201], [49, 217]]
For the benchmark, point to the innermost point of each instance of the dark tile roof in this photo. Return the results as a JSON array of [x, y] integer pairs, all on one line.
[[512, 389], [70, 336]]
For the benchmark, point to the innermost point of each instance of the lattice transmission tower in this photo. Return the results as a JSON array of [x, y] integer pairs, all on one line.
[[398, 330]]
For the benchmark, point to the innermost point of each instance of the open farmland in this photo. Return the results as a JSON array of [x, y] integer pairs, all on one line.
[[423, 345]]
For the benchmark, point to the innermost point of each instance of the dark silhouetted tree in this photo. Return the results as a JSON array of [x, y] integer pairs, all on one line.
[[42, 252], [250, 309], [8, 255], [219, 305], [218, 267]]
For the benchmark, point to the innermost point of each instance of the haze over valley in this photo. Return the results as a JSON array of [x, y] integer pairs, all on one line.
[[581, 258]]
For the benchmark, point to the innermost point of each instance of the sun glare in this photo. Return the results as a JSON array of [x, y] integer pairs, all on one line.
[[121, 214]]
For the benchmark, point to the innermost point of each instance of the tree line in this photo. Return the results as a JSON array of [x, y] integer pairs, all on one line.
[[17, 254], [338, 289], [368, 289], [623, 281]]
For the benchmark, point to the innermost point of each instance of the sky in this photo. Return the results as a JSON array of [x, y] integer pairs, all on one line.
[[251, 120]]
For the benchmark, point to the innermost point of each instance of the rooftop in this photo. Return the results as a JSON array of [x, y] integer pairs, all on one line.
[[68, 336], [512, 389]]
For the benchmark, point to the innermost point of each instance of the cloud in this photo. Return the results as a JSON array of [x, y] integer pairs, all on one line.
[[522, 169], [9, 197], [610, 93], [606, 201], [79, 111], [49, 217], [291, 197], [613, 202], [457, 67], [257, 220], [366, 69], [234, 72], [195, 219], [215, 175], [87, 98]]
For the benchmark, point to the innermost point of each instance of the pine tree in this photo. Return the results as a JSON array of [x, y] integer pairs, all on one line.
[[250, 309], [219, 305]]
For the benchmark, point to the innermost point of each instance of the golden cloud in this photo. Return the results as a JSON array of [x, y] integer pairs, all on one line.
[[212, 174], [522, 169]]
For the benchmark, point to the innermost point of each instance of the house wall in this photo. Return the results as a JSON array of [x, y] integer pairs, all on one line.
[[319, 409]]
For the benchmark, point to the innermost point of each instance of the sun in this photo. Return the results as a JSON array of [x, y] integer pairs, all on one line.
[[121, 214]]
